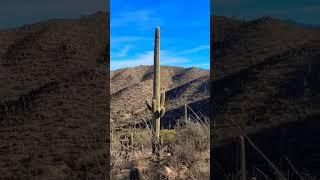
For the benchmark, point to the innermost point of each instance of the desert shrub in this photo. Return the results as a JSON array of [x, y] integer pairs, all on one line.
[[168, 136], [184, 155], [195, 133], [142, 137], [191, 146]]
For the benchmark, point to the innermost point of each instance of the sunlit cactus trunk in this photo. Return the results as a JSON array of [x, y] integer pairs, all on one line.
[[156, 81], [157, 104]]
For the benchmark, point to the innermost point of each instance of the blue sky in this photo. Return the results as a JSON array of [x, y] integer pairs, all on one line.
[[301, 11], [184, 28], [184, 24]]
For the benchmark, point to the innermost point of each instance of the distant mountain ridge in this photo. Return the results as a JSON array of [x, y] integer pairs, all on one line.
[[305, 25], [130, 87], [249, 52]]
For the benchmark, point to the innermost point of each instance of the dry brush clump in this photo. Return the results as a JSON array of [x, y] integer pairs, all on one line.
[[191, 147], [184, 153]]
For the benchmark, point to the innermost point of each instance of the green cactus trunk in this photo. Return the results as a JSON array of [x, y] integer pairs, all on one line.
[[156, 82], [157, 104]]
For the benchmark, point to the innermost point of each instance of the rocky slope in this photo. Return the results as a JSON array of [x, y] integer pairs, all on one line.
[[265, 76], [130, 87], [53, 99]]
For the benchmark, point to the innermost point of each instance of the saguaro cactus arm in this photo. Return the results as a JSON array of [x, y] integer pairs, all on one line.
[[153, 107], [162, 111], [162, 99], [149, 106]]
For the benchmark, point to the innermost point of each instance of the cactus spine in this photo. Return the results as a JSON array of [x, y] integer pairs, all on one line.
[[157, 104]]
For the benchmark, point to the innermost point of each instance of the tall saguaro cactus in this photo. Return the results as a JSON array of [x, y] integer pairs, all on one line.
[[157, 104]]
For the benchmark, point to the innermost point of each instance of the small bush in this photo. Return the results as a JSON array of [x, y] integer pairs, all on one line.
[[168, 136], [142, 137], [191, 147], [194, 133]]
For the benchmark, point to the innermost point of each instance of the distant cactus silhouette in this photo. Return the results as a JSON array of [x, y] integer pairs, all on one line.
[[242, 159], [157, 104], [185, 113]]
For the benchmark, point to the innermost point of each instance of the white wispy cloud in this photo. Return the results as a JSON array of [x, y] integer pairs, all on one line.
[[146, 58], [119, 60], [139, 18], [122, 53], [195, 49], [203, 65], [126, 39]]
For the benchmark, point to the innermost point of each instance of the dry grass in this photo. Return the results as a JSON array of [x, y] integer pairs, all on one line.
[[185, 153], [191, 149]]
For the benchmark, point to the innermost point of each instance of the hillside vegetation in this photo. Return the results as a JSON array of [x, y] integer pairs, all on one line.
[[53, 99], [265, 78]]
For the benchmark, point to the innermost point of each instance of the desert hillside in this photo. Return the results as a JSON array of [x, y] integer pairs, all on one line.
[[53, 98], [181, 155], [130, 87], [266, 78]]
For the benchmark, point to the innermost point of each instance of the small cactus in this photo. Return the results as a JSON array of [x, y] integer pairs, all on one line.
[[156, 106], [131, 139], [242, 159], [161, 142], [185, 113]]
